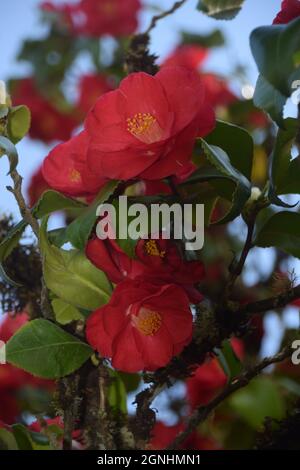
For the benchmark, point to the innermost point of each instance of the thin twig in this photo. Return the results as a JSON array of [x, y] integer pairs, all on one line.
[[24, 210], [271, 303], [156, 18], [201, 413]]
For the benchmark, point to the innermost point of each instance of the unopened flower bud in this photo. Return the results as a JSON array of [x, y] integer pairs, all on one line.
[[255, 193]]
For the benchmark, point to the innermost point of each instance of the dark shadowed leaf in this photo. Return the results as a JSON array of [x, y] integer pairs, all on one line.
[[282, 230]]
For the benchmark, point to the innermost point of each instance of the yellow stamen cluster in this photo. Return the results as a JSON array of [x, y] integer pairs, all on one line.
[[149, 322], [140, 123], [152, 249], [74, 176]]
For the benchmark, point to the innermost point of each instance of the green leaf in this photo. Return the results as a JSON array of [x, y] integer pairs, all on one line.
[[229, 361], [8, 148], [236, 142], [267, 98], [220, 9], [52, 201], [213, 39], [28, 440], [7, 440], [22, 437], [71, 276], [11, 240], [45, 350], [259, 399], [6, 247], [284, 172], [239, 189], [282, 230], [275, 49], [79, 230], [64, 312], [131, 381], [117, 395], [18, 123]]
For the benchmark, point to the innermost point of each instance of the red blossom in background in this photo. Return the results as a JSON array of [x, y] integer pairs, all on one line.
[[209, 378], [187, 56], [148, 126], [155, 259], [163, 435], [90, 88], [290, 9], [65, 169], [47, 122], [217, 91], [192, 57], [142, 327], [97, 18]]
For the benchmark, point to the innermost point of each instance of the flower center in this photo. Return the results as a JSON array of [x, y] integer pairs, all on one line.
[[74, 176], [144, 126], [148, 322], [152, 249]]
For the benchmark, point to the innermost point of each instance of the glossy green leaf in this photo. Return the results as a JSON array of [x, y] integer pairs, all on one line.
[[228, 360], [18, 123], [7, 440], [239, 189], [11, 240], [269, 99], [8, 148], [45, 350], [213, 39], [282, 231], [220, 9], [79, 230], [259, 399], [284, 171], [6, 247], [52, 201], [236, 142], [117, 395], [131, 381], [72, 277], [275, 49], [64, 312]]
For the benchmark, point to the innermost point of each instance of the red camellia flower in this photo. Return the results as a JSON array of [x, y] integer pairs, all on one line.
[[148, 126], [65, 169], [99, 17], [90, 88], [154, 259], [37, 186], [163, 436], [217, 91], [142, 327], [290, 9], [188, 56], [209, 378], [47, 122]]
